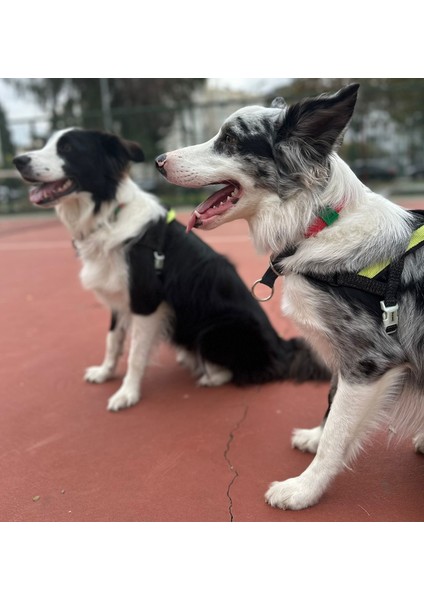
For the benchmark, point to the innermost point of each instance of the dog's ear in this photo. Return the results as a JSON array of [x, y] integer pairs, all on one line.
[[122, 150], [318, 123], [135, 153], [278, 102]]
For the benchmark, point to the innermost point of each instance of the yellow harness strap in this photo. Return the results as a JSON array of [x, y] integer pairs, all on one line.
[[370, 272], [171, 216]]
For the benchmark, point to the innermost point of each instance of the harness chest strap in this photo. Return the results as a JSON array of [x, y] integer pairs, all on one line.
[[158, 255], [364, 280]]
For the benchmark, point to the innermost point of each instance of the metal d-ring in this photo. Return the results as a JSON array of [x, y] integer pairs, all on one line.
[[258, 298]]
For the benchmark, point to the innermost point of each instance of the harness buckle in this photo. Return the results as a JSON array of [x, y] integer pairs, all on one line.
[[390, 317], [159, 260]]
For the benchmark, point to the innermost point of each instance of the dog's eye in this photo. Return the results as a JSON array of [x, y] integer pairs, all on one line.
[[230, 140], [66, 148]]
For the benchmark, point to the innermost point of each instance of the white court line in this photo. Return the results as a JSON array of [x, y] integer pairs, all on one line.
[[4, 246]]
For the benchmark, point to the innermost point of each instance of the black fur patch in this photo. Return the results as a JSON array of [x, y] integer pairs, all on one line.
[[96, 161]]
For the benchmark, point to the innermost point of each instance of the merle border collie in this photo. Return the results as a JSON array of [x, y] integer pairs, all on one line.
[[155, 279], [353, 264]]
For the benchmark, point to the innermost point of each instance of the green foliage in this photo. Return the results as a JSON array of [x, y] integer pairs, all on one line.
[[400, 101], [141, 109], [7, 149]]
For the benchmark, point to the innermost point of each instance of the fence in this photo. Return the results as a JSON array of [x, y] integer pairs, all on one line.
[[375, 147]]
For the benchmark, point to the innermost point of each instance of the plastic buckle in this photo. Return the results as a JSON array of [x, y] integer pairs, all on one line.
[[159, 260], [390, 317]]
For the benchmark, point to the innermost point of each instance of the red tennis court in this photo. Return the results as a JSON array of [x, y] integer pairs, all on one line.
[[184, 453]]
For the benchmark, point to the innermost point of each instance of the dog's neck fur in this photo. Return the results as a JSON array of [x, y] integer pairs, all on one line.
[[136, 208], [280, 225]]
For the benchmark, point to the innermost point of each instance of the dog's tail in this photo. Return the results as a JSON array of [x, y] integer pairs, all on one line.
[[301, 363]]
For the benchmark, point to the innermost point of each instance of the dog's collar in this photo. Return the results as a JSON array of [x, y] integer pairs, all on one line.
[[117, 210], [326, 217]]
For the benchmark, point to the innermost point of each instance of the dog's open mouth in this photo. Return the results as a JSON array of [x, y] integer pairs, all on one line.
[[48, 194], [216, 205]]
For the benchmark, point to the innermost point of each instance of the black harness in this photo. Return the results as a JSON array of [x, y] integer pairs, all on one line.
[[367, 290], [154, 239]]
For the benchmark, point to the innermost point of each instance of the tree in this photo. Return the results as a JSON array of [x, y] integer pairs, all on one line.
[[382, 101], [141, 109], [7, 148]]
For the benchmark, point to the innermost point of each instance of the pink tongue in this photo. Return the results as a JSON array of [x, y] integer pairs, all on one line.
[[207, 207], [37, 194], [191, 223]]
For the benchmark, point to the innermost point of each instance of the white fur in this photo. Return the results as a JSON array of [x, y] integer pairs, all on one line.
[[99, 241], [114, 348], [214, 375], [99, 238], [47, 164], [145, 331], [208, 374], [307, 440], [355, 409]]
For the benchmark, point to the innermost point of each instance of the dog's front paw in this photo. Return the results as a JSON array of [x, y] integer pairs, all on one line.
[[291, 494], [123, 398], [307, 440], [98, 374]]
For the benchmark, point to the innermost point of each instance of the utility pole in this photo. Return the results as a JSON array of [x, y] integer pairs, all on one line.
[[1, 152], [106, 111]]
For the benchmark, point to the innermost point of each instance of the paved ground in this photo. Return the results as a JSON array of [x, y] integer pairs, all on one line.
[[183, 453]]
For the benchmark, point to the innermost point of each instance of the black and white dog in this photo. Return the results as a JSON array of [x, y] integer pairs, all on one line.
[[353, 264], [140, 263]]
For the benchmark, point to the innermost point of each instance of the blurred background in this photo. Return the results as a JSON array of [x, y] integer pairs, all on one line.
[[384, 144]]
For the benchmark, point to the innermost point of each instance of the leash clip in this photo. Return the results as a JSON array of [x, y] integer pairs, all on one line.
[[390, 317]]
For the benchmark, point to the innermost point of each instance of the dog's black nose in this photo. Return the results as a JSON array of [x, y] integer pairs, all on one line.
[[160, 163], [21, 162]]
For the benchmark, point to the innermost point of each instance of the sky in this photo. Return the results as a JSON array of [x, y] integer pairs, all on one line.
[[16, 106], [252, 84]]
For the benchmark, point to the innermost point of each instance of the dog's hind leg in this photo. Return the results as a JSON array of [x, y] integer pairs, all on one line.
[[354, 411], [208, 374], [114, 347], [307, 440], [190, 360], [214, 375], [145, 330]]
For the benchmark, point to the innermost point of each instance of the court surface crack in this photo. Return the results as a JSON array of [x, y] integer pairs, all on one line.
[[230, 465]]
